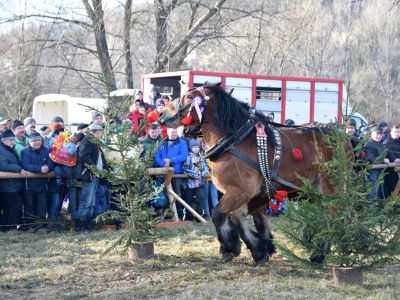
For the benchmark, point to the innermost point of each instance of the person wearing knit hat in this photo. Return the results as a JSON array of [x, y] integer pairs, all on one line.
[[160, 102], [36, 159], [97, 118], [195, 167], [58, 119], [154, 95], [9, 187], [21, 141], [89, 154], [83, 127], [139, 95], [30, 125], [385, 132], [373, 150], [393, 146], [194, 143], [8, 135], [289, 122]]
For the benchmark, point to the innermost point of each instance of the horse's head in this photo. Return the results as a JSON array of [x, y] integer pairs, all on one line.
[[187, 110]]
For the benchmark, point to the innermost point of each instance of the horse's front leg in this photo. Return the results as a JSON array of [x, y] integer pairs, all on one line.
[[227, 233]]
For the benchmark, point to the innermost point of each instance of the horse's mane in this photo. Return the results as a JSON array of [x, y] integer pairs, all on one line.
[[231, 114]]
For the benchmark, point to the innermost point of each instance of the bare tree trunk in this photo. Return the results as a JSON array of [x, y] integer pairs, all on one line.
[[127, 44], [96, 14], [162, 12]]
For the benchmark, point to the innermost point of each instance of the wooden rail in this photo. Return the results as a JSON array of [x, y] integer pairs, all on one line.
[[167, 172]]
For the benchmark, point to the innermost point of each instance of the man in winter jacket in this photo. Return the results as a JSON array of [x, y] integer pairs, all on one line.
[[393, 145], [152, 138], [373, 155], [89, 153], [21, 141], [10, 200], [154, 96], [172, 153], [36, 159]]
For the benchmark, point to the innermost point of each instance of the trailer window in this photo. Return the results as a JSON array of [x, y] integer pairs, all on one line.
[[268, 94]]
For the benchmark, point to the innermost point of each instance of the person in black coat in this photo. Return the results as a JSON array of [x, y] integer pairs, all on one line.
[[10, 200], [393, 145], [373, 155], [89, 153]]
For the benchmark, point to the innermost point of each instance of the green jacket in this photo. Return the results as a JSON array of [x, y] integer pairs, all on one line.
[[149, 143], [19, 145]]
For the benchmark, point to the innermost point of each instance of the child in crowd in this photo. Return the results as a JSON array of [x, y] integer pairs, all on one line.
[[63, 153], [195, 167]]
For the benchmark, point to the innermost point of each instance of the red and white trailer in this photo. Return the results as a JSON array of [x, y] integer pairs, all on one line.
[[303, 100]]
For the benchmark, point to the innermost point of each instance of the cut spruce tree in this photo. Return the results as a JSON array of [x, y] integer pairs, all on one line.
[[345, 231], [131, 185]]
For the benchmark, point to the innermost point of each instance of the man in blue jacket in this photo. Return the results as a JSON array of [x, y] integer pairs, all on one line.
[[172, 153], [10, 200], [35, 158]]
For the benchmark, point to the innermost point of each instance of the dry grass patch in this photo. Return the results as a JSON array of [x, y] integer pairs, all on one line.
[[186, 266]]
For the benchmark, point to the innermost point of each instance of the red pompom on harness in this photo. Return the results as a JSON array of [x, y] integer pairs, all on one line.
[[296, 153], [273, 206], [279, 197], [188, 120]]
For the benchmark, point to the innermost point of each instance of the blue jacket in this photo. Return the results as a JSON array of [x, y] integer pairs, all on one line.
[[9, 162], [33, 161], [177, 152], [196, 176]]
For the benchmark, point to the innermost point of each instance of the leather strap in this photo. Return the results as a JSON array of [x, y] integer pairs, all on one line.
[[255, 166]]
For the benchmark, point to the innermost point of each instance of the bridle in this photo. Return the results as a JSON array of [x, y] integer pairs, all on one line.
[[199, 103]]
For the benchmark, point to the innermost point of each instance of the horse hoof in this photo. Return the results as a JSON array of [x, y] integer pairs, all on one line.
[[227, 257], [261, 262]]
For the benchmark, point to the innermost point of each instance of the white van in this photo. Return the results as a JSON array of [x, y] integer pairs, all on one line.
[[46, 107]]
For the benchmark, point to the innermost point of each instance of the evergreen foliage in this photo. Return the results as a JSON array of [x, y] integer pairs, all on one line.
[[346, 227], [129, 177]]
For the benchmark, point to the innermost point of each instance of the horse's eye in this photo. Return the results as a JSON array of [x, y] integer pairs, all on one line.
[[189, 97]]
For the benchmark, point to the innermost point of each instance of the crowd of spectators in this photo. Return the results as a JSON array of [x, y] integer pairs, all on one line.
[[23, 147], [381, 145]]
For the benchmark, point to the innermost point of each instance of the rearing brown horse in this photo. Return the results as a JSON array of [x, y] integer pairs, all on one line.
[[223, 117]]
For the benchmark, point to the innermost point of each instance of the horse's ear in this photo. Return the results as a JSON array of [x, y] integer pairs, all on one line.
[[218, 84], [231, 91]]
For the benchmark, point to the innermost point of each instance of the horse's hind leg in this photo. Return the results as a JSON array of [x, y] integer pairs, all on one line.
[[227, 233], [263, 227], [260, 246]]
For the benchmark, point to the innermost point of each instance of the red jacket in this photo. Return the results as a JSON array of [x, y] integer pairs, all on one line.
[[153, 117], [136, 118]]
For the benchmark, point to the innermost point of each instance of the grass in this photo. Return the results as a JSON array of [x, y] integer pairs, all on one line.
[[187, 265]]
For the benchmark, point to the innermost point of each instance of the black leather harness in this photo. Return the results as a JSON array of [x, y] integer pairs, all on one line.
[[228, 143]]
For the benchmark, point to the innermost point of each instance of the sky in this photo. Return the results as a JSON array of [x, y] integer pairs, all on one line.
[[71, 9]]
